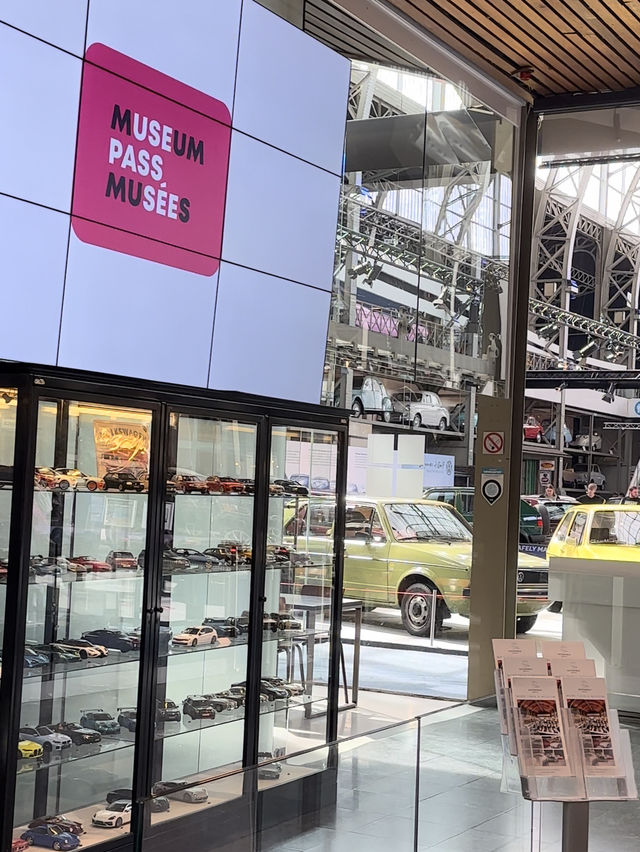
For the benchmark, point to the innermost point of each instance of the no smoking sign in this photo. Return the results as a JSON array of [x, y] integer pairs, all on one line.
[[493, 443]]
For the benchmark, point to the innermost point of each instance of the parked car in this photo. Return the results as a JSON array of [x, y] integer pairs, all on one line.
[[462, 499], [28, 749], [91, 648], [45, 477], [127, 718], [587, 442], [603, 534], [198, 707], [167, 710], [50, 836], [532, 429], [231, 485], [99, 721], [398, 551], [370, 396], [71, 477], [421, 409], [90, 563], [77, 734], [187, 483], [114, 815], [34, 659], [555, 508], [199, 560], [49, 739], [181, 792], [121, 559], [122, 793], [122, 480], [550, 434], [202, 635], [63, 822], [220, 703], [171, 562], [291, 487], [113, 639], [582, 474], [269, 771]]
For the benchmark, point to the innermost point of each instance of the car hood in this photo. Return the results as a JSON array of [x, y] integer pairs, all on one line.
[[111, 724], [105, 815], [457, 555], [58, 738]]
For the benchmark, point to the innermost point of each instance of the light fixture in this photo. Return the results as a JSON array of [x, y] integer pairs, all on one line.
[[589, 347], [609, 396], [547, 328], [364, 267], [372, 274]]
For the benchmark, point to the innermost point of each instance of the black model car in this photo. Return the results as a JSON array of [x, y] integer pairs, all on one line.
[[171, 562], [61, 654], [64, 824], [182, 792], [220, 703], [203, 561], [167, 710], [127, 718], [114, 639], [236, 696], [122, 480], [159, 805], [291, 688], [269, 771], [6, 475], [274, 693], [291, 487], [198, 707], [77, 734], [121, 794], [224, 626]]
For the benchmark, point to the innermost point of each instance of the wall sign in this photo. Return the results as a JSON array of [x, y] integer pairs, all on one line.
[[492, 484], [151, 164], [493, 443]]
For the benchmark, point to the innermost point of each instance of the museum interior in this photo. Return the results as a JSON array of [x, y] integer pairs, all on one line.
[[320, 426]]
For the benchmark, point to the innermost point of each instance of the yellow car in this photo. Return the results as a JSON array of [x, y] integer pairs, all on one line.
[[608, 534], [27, 748], [398, 551]]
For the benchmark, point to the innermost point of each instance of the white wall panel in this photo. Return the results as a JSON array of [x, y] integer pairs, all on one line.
[[195, 42], [136, 318], [62, 24], [281, 214], [40, 108], [33, 248], [269, 336], [294, 96]]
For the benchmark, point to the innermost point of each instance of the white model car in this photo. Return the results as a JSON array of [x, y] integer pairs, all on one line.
[[114, 815], [202, 635], [71, 477], [421, 408], [369, 396], [48, 739]]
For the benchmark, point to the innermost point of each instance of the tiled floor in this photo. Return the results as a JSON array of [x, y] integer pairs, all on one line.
[[461, 808]]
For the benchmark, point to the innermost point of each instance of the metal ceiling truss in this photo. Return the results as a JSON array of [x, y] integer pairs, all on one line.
[[602, 331]]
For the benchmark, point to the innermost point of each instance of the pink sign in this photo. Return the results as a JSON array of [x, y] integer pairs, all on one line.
[[151, 164]]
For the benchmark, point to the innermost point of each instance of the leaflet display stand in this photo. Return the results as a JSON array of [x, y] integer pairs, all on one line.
[[573, 768]]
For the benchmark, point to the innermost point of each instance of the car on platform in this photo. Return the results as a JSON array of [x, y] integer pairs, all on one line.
[[51, 837], [192, 636], [99, 721], [66, 824], [115, 815], [92, 649], [202, 561], [190, 483], [409, 553], [370, 396], [121, 559], [581, 474], [71, 477], [198, 707], [49, 739], [28, 749], [420, 409], [78, 734], [167, 710], [175, 790], [532, 429], [291, 487], [122, 480], [89, 563], [115, 640], [127, 718]]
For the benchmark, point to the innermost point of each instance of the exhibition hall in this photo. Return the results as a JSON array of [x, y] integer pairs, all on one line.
[[320, 426]]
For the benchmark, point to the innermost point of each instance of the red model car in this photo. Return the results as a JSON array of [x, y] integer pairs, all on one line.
[[19, 845], [121, 559], [190, 483], [90, 563], [230, 485], [214, 485], [532, 429]]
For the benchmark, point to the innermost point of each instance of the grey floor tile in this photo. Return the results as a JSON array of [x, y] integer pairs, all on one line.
[[469, 841]]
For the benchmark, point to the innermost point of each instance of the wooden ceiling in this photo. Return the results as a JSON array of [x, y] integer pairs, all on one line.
[[571, 46]]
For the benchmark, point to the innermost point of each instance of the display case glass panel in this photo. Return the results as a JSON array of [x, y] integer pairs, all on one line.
[[8, 409], [83, 629], [206, 572], [299, 579]]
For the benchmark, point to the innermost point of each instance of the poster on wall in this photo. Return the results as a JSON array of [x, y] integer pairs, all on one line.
[[439, 470], [121, 446]]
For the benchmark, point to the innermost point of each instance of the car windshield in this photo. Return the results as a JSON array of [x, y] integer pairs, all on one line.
[[420, 522], [102, 717], [200, 702], [118, 806], [55, 829], [191, 631], [44, 730], [122, 554], [621, 528]]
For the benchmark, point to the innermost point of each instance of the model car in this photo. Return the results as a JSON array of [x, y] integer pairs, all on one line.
[[27, 749], [268, 771], [167, 710], [278, 553], [58, 653], [583, 474], [420, 546], [587, 442], [550, 434], [203, 635], [127, 718], [62, 821], [121, 794], [121, 559], [164, 637], [49, 739], [214, 485], [159, 805], [99, 721], [232, 695], [291, 688], [19, 845], [91, 648], [71, 477], [122, 480], [223, 626], [231, 485], [284, 621], [231, 551], [77, 565], [198, 707], [196, 558], [220, 703], [114, 639], [174, 790], [90, 563], [274, 693], [249, 485], [114, 815], [291, 487], [275, 490], [77, 734], [45, 477], [51, 836], [188, 483], [45, 566], [532, 429], [370, 396], [34, 659], [421, 409], [171, 562]]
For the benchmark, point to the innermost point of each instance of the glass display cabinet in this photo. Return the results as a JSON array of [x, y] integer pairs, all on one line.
[[159, 628]]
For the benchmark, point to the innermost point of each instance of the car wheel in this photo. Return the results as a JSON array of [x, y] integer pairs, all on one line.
[[121, 487], [415, 609], [524, 623], [556, 606], [63, 485], [194, 643], [387, 408], [30, 840], [118, 823], [442, 425], [56, 845], [357, 409], [91, 486], [417, 421]]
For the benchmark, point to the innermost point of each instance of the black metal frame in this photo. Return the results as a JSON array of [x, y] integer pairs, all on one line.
[[35, 383]]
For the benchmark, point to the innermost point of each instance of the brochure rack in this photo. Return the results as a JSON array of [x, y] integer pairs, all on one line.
[[576, 774]]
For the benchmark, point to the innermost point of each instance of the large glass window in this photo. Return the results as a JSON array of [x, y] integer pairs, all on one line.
[[81, 657]]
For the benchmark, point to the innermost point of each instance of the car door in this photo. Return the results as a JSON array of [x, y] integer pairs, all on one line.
[[206, 635], [366, 555]]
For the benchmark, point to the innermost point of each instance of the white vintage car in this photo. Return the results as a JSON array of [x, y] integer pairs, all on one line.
[[421, 408]]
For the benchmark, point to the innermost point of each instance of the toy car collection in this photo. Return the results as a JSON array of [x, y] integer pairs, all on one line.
[[113, 639], [167, 711]]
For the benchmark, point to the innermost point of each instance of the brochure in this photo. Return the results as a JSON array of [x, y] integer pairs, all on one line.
[[563, 650], [523, 667], [541, 740], [572, 668], [586, 699], [513, 648]]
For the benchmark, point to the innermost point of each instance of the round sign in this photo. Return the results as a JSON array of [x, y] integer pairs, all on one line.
[[491, 490], [637, 408], [493, 443]]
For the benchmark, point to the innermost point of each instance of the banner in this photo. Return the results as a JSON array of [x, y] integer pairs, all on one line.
[[121, 446]]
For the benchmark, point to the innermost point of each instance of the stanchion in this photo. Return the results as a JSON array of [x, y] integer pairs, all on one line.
[[575, 826], [434, 608]]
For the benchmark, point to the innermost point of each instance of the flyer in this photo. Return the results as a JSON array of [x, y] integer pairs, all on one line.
[[563, 650], [513, 648], [572, 668], [524, 667], [586, 699], [544, 750]]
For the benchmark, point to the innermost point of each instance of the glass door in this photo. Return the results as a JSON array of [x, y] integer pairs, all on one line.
[[83, 631]]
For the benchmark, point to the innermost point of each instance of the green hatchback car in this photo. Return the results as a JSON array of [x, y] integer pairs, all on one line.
[[398, 551]]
